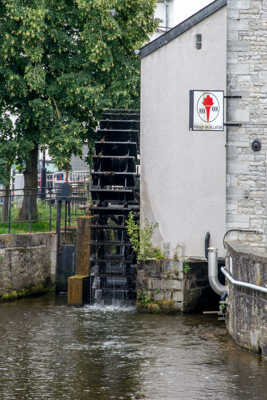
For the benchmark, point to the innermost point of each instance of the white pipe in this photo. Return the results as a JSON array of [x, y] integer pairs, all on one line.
[[243, 284], [166, 14], [213, 272]]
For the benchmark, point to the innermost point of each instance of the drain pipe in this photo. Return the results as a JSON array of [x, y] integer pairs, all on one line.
[[207, 244], [166, 14], [213, 272]]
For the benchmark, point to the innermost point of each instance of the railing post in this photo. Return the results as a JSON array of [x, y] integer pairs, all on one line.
[[50, 210], [30, 210], [9, 212]]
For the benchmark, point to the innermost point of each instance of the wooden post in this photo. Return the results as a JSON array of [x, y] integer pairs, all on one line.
[[76, 283]]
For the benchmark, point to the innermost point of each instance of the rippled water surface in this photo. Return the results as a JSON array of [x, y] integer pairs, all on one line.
[[51, 351]]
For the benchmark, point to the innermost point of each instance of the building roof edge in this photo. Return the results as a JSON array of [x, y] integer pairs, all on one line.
[[182, 27]]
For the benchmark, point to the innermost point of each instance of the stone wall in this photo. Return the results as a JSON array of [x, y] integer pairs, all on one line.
[[27, 263], [246, 316], [170, 286], [247, 77]]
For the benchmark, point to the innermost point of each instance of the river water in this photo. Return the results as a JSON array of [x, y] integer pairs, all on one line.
[[49, 350]]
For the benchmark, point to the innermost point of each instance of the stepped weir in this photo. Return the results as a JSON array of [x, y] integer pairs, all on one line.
[[114, 193]]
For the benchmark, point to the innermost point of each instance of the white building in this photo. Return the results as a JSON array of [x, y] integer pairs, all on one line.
[[172, 12], [194, 182], [183, 173]]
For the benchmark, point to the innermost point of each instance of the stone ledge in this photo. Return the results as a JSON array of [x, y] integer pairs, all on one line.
[[246, 249], [246, 317]]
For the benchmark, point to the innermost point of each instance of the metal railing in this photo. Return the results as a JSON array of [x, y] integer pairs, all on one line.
[[243, 284], [28, 209]]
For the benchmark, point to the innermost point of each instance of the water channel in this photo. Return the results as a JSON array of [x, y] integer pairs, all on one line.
[[51, 351]]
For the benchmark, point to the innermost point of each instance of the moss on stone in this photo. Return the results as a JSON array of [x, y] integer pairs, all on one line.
[[167, 306], [153, 308], [27, 292], [157, 307]]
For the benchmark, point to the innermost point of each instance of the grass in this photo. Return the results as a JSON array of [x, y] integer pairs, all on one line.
[[42, 224]]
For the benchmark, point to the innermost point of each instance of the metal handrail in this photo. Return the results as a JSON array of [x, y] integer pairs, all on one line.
[[243, 284]]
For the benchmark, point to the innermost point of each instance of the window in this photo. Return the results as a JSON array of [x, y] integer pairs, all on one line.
[[198, 41]]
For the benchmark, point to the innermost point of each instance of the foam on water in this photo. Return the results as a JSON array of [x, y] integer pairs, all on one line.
[[109, 308]]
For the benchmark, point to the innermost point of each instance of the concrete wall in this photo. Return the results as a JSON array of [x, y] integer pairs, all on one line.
[[247, 77], [27, 261], [183, 173], [247, 310]]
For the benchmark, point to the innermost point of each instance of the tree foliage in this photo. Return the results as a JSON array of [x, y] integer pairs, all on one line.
[[62, 62], [8, 149]]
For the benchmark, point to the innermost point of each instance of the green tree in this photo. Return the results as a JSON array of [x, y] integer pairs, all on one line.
[[8, 150], [62, 62]]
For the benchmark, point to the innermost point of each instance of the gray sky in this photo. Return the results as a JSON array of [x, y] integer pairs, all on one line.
[[189, 7]]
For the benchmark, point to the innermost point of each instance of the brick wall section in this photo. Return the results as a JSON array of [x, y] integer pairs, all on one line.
[[247, 310], [27, 261], [247, 77]]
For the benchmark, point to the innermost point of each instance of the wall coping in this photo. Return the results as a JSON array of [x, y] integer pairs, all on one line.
[[24, 240], [245, 248]]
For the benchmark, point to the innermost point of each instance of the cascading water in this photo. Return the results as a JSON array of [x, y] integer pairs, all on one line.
[[114, 194]]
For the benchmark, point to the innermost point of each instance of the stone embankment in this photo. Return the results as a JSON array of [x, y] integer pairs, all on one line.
[[247, 310], [27, 264], [171, 285]]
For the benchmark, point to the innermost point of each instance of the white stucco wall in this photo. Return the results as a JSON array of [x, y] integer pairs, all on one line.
[[182, 172]]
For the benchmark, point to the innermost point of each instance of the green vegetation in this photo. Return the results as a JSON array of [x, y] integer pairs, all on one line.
[[146, 303], [62, 62], [32, 291], [40, 225], [140, 239], [186, 267]]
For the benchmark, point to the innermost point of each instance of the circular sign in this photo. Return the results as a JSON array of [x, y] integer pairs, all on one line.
[[208, 107]]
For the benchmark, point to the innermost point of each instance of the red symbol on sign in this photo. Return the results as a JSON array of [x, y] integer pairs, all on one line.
[[207, 103]]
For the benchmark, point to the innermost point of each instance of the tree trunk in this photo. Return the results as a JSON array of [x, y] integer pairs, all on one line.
[[28, 209]]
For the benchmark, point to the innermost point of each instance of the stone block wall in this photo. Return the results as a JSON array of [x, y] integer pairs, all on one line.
[[247, 77], [197, 293], [170, 285], [246, 316], [27, 262]]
